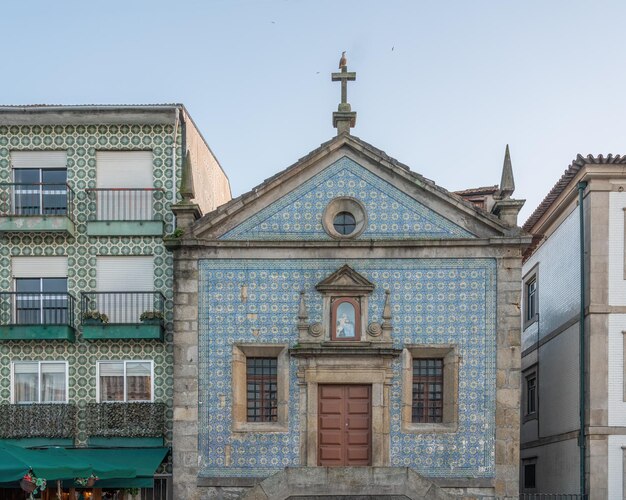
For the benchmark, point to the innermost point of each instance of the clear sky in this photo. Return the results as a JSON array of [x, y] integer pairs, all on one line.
[[441, 85]]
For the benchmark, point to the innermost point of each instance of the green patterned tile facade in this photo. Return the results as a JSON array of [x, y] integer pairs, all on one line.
[[81, 142]]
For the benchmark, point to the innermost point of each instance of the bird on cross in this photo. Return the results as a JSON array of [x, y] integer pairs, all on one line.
[[343, 62]]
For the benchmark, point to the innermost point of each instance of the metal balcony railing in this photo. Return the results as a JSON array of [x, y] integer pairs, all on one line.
[[125, 204], [49, 420], [552, 496], [18, 199], [124, 307], [125, 419], [36, 308]]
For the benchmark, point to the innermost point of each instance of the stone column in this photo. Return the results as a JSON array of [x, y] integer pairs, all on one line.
[[185, 428], [508, 375]]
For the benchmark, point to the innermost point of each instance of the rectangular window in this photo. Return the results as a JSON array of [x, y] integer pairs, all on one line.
[[121, 178], [124, 381], [262, 387], [40, 191], [529, 479], [427, 404], [41, 301], [39, 382], [119, 281], [531, 394], [530, 297]]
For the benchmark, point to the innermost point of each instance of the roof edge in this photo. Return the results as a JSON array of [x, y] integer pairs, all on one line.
[[568, 175]]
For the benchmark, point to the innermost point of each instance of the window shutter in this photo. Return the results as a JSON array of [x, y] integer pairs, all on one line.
[[124, 169], [125, 274], [39, 159], [39, 267]]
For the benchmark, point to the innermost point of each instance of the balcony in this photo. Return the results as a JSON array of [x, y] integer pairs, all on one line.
[[125, 419], [47, 420], [36, 208], [125, 212], [122, 315], [36, 316]]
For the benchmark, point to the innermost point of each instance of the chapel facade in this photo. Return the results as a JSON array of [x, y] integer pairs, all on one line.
[[346, 328]]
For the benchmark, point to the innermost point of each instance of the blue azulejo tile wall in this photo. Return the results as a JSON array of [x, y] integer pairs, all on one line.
[[391, 213], [434, 301]]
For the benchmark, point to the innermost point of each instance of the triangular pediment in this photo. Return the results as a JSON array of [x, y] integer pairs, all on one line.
[[345, 280], [399, 204]]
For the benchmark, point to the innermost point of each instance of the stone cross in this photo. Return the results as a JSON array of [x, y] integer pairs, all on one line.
[[344, 77], [344, 118]]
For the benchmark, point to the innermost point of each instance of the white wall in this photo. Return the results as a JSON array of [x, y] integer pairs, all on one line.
[[616, 467], [617, 406]]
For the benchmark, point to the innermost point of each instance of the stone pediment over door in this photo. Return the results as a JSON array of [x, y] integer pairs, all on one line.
[[388, 201], [345, 280]]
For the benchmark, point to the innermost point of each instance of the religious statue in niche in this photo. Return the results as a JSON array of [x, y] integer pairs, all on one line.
[[345, 319]]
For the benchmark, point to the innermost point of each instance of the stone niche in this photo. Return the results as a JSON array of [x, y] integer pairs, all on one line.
[[345, 295]]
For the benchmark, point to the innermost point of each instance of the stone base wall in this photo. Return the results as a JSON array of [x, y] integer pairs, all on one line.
[[222, 493]]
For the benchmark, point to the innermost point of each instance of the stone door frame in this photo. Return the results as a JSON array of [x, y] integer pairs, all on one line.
[[366, 370]]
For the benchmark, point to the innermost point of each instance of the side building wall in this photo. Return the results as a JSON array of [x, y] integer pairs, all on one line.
[[550, 349], [212, 187]]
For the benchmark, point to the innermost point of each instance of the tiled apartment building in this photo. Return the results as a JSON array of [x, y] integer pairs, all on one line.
[[86, 352], [552, 335]]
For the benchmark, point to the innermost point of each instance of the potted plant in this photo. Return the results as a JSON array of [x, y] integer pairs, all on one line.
[[151, 317], [31, 483], [95, 318], [86, 482]]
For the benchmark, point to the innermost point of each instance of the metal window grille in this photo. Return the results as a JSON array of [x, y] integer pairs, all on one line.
[[427, 390], [124, 307], [36, 199], [261, 379], [162, 489], [125, 204], [32, 308], [552, 496], [529, 476]]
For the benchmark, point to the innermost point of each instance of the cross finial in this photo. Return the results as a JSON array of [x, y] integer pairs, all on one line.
[[344, 118]]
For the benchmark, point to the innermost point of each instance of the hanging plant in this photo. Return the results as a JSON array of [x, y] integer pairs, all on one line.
[[86, 482], [32, 484]]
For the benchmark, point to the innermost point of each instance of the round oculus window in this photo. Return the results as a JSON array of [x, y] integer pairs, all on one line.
[[344, 223], [344, 218]]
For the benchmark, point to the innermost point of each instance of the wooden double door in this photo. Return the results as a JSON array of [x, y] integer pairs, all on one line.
[[344, 425]]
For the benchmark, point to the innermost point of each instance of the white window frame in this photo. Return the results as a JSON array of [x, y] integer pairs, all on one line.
[[39, 363], [151, 400]]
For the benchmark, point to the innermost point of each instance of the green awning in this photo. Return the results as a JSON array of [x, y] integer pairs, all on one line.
[[68, 463], [16, 461], [144, 461]]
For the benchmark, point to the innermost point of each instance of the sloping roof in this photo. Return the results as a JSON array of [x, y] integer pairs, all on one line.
[[14, 107], [251, 195], [565, 179], [478, 190]]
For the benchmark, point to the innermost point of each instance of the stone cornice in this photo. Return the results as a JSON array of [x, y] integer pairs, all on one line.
[[190, 243]]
